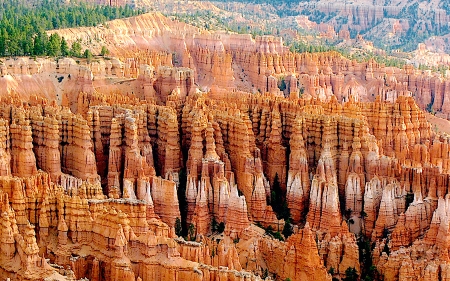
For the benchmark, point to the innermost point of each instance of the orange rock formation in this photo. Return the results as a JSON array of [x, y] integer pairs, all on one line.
[[99, 170]]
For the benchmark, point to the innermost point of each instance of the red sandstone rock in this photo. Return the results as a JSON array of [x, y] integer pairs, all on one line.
[[324, 213], [298, 184], [128, 141]]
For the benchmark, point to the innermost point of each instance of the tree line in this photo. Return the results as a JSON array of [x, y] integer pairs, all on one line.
[[23, 26], [361, 56]]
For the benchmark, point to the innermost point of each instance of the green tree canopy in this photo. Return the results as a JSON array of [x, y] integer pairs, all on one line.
[[104, 51], [54, 45], [75, 51], [178, 228], [351, 274], [23, 26], [87, 54], [64, 48]]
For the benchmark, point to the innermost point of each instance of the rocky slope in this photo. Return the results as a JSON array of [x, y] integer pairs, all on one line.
[[231, 61], [391, 25], [100, 159]]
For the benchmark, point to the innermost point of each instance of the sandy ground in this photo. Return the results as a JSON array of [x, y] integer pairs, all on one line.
[[440, 124]]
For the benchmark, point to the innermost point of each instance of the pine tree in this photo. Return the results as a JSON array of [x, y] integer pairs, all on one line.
[[104, 51], [64, 48], [54, 45], [27, 45], [191, 232], [75, 51], [40, 43], [88, 55], [178, 228], [221, 227], [276, 198], [22, 26], [287, 229], [351, 274], [3, 41], [13, 44]]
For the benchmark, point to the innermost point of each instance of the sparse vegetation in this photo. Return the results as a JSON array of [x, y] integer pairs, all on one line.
[[331, 271], [351, 274], [363, 214], [408, 200], [359, 56], [221, 227], [274, 234], [265, 273], [430, 108], [87, 55], [369, 272], [178, 228], [75, 51], [278, 201], [182, 203], [386, 248], [287, 229], [104, 51], [281, 84], [217, 227], [191, 232]]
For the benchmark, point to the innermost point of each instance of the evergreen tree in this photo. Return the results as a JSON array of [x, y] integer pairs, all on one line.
[[178, 228], [214, 225], [181, 192], [13, 44], [287, 229], [87, 54], [278, 202], [351, 274], [104, 51], [191, 232], [64, 48], [276, 193], [22, 26], [3, 41], [40, 43], [221, 227], [276, 196], [27, 45], [75, 51], [54, 45]]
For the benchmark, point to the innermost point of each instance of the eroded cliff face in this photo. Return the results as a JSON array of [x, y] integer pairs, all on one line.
[[396, 24], [155, 54], [365, 15], [97, 170]]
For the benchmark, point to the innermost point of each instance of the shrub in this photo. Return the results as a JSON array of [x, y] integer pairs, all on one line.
[[178, 228]]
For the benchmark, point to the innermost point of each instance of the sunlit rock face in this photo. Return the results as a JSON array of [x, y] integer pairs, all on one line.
[[161, 164]]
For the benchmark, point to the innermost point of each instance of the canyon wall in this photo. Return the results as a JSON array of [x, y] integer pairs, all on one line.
[[167, 163]]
